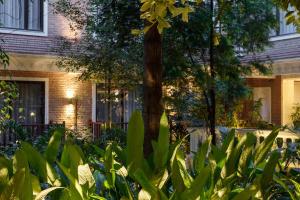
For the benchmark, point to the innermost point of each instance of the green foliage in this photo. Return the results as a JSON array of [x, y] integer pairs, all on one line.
[[293, 11], [295, 116], [242, 29], [238, 169]]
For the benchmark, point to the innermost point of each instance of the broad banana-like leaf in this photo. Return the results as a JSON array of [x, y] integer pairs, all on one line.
[[53, 145], [230, 136], [85, 176], [37, 162], [246, 155], [198, 185], [200, 156], [19, 163], [15, 186], [76, 190], [71, 158], [268, 173], [110, 172], [161, 147], [42, 195], [262, 150], [234, 157], [148, 188], [249, 192], [135, 141], [180, 177]]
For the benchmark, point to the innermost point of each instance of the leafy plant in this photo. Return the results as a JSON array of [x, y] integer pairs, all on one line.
[[237, 169], [295, 116]]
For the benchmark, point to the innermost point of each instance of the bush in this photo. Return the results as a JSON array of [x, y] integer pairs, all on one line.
[[237, 169]]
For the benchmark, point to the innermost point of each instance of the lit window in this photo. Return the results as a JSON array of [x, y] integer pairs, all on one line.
[[22, 14]]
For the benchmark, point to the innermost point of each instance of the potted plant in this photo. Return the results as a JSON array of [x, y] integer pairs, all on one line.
[[295, 116]]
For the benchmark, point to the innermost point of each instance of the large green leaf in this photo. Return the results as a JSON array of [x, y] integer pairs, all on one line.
[[76, 190], [200, 156], [198, 185], [20, 163], [71, 158], [42, 195], [53, 145], [110, 172], [264, 148], [161, 147], [135, 141], [268, 173], [39, 164], [15, 186]]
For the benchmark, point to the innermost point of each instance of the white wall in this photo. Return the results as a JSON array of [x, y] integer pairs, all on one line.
[[288, 100], [297, 92]]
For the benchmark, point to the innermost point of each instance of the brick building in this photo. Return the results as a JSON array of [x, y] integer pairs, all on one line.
[[30, 31], [281, 91]]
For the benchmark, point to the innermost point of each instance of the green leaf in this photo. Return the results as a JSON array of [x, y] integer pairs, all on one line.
[[198, 185], [267, 175], [135, 141], [264, 148], [200, 156], [71, 158], [42, 195], [53, 145], [161, 149], [43, 169]]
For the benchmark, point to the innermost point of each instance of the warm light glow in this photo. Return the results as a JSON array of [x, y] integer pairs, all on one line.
[[32, 114], [70, 93], [69, 110]]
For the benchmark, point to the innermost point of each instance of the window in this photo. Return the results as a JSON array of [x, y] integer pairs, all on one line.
[[119, 104], [31, 102], [22, 14], [284, 28]]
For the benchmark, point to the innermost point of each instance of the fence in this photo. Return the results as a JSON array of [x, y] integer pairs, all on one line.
[[12, 134], [97, 128]]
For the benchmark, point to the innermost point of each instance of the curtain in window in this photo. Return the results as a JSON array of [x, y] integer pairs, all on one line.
[[34, 18], [21, 14], [30, 105], [121, 107], [12, 14], [284, 28]]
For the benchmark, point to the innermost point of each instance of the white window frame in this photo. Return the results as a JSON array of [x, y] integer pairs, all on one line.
[[45, 80], [29, 32], [284, 37]]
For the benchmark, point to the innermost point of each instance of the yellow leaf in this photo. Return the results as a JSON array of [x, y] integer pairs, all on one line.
[[145, 6], [136, 31]]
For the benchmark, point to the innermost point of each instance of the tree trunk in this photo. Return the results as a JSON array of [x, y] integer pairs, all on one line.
[[212, 87], [152, 95]]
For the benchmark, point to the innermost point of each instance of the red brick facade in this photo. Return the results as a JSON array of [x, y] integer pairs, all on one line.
[[60, 107]]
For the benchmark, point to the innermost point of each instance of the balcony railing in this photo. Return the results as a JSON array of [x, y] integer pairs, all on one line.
[[97, 128], [11, 135]]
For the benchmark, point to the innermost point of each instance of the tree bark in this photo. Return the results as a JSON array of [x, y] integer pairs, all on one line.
[[212, 93], [152, 95]]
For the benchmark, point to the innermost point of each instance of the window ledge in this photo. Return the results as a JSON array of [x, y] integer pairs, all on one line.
[[284, 37], [23, 32]]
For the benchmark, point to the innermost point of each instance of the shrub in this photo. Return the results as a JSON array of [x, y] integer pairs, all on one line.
[[237, 169]]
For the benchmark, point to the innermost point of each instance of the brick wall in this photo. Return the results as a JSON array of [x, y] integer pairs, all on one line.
[[276, 93], [58, 26], [60, 108]]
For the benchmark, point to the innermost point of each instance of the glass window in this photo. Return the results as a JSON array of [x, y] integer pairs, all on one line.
[[29, 107], [284, 28], [22, 14], [118, 104]]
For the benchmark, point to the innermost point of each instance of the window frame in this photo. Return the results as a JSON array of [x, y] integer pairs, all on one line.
[[44, 24], [31, 79]]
